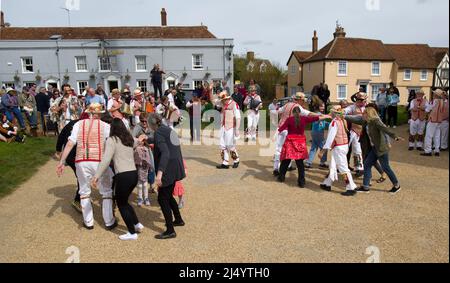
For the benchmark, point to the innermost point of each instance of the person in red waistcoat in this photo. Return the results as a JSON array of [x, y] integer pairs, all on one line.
[[294, 147]]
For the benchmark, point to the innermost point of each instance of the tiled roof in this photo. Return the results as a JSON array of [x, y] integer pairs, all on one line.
[[415, 56], [344, 48], [166, 32], [439, 53]]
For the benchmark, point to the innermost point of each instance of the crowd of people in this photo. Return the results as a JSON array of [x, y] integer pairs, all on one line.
[[124, 140]]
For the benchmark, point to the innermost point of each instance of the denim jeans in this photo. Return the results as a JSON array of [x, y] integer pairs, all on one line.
[[318, 141], [382, 110], [15, 111], [32, 118], [370, 161]]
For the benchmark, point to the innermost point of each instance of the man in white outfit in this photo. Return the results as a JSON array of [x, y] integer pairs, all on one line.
[[436, 108], [229, 131], [418, 121], [357, 109], [90, 136], [285, 113], [254, 103], [337, 142], [444, 125]]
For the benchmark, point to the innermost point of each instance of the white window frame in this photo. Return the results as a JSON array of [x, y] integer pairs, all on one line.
[[202, 63], [24, 71], [196, 82], [379, 69], [338, 91], [422, 72], [294, 69], [77, 64], [9, 84], [405, 78], [346, 69], [374, 94], [143, 88], [444, 71], [80, 90], [186, 86], [28, 84], [112, 64], [136, 58]]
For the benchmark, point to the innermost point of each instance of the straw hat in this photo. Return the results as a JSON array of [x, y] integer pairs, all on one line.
[[299, 96], [224, 95], [361, 96], [95, 108]]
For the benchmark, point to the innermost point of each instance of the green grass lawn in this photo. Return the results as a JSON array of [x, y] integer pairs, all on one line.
[[19, 162]]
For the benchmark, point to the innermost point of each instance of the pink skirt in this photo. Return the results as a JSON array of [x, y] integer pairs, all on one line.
[[294, 148], [178, 191]]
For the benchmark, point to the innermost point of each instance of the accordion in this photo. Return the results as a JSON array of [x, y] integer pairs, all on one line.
[[254, 104]]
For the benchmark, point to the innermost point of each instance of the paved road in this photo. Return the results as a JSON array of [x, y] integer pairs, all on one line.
[[243, 215]]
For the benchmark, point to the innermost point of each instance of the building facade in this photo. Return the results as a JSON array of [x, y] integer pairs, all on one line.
[[113, 56], [442, 62]]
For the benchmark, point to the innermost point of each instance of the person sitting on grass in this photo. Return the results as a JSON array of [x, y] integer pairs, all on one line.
[[8, 132]]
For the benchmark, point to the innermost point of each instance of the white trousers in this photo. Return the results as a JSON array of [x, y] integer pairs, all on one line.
[[444, 134], [253, 120], [339, 162], [85, 172], [228, 145], [356, 151], [281, 138], [416, 128], [433, 135]]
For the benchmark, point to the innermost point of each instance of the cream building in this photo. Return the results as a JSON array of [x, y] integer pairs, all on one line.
[[348, 64]]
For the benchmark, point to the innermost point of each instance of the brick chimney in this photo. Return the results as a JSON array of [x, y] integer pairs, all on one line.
[[340, 32], [315, 43], [250, 56], [163, 17], [2, 19]]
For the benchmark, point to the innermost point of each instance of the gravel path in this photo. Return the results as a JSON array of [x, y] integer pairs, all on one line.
[[243, 215]]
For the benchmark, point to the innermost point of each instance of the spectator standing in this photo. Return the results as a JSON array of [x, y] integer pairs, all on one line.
[[382, 104], [42, 106], [392, 101], [27, 103], [93, 96], [156, 79], [238, 97], [195, 115]]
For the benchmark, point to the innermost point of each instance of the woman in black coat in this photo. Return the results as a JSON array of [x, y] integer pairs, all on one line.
[[169, 169]]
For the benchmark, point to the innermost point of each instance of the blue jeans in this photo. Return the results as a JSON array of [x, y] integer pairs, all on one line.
[[318, 141], [370, 161], [382, 111], [32, 118], [15, 112]]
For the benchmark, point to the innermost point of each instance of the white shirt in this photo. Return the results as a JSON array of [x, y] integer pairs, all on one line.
[[76, 128], [303, 111]]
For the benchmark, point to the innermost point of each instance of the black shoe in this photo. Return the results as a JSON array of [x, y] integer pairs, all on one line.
[[444, 149], [178, 223], [363, 190], [112, 227], [276, 173], [166, 235], [307, 166], [236, 165], [301, 185], [395, 190], [348, 193], [222, 166], [437, 154], [426, 154], [411, 148], [281, 179], [324, 166], [419, 149], [88, 227], [325, 187]]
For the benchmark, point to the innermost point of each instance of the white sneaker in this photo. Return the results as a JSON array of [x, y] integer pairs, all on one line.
[[139, 228], [395, 127], [128, 237]]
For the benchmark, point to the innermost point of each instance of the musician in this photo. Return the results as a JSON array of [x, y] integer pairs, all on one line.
[[229, 131], [169, 112], [115, 105], [418, 121], [137, 105], [436, 108], [254, 104]]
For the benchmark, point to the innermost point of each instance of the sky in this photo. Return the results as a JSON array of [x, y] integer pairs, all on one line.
[[270, 28]]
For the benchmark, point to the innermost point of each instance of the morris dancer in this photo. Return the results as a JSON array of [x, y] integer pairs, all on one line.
[[90, 135], [436, 108], [229, 131], [254, 104], [285, 113], [357, 109], [444, 125], [168, 111], [115, 105], [418, 121], [337, 142]]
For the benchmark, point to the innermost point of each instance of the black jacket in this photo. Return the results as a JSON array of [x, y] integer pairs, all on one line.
[[42, 102], [168, 157], [63, 138], [239, 99]]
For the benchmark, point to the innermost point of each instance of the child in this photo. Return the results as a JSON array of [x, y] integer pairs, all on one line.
[[142, 159], [318, 140], [8, 132], [178, 191]]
